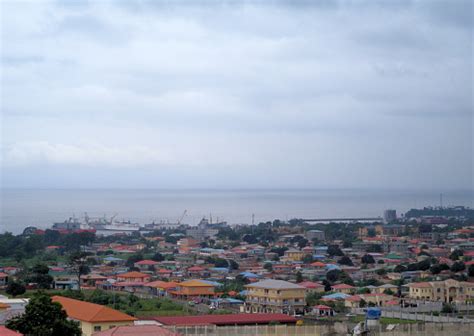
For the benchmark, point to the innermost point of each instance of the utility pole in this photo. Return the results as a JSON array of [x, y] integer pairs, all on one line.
[[253, 219]]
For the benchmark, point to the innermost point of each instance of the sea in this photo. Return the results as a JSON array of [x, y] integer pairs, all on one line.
[[21, 208]]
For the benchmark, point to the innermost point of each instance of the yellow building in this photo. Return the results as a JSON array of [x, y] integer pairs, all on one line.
[[93, 317], [294, 255], [445, 291], [275, 296]]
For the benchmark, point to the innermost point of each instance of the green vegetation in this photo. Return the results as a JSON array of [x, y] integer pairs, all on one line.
[[43, 317]]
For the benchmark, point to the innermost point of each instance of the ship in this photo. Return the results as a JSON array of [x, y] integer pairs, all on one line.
[[101, 225]]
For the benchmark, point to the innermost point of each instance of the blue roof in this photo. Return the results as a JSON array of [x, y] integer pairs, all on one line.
[[243, 293], [319, 256], [220, 269], [336, 296], [332, 267], [249, 275]]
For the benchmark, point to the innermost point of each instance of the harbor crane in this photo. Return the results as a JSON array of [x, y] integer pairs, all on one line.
[[182, 217]]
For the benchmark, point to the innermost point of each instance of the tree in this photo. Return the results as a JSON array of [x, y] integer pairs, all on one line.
[[368, 259], [345, 261], [447, 308], [470, 271], [157, 257], [456, 254], [435, 269], [268, 266], [307, 259], [15, 288], [399, 269], [233, 265], [374, 248], [327, 285], [40, 276], [78, 265], [458, 266], [250, 239], [333, 275], [299, 277], [371, 232], [334, 250], [43, 317]]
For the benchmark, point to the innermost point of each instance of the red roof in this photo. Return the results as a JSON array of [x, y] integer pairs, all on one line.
[[310, 284], [3, 275], [146, 262], [4, 331], [322, 307], [195, 269], [225, 319]]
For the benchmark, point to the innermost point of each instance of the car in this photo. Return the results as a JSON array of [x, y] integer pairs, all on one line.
[[350, 315]]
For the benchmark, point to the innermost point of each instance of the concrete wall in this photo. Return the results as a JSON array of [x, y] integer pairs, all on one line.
[[438, 329]]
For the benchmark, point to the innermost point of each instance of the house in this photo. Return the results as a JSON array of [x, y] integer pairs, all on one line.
[[146, 265], [91, 280], [161, 288], [136, 330], [343, 288], [93, 317], [275, 296], [293, 255], [194, 288], [323, 310], [442, 291], [3, 279], [133, 277], [312, 287]]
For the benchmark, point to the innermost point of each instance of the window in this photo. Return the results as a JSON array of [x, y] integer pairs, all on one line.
[[97, 328]]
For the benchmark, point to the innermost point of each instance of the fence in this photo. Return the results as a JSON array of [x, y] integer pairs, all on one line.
[[422, 329]]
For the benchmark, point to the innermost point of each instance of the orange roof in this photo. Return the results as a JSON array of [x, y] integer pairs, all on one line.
[[162, 284], [4, 305], [194, 283], [133, 275], [318, 264], [91, 312]]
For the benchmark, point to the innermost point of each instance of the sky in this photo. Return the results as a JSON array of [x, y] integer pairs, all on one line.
[[237, 94]]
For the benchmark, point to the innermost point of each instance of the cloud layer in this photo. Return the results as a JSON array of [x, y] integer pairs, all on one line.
[[237, 93]]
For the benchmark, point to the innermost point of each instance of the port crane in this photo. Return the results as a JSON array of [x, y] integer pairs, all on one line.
[[182, 217]]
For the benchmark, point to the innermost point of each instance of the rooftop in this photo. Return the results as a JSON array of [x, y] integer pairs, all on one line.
[[91, 312], [275, 284]]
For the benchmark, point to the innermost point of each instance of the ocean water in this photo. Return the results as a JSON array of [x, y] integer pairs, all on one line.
[[42, 207]]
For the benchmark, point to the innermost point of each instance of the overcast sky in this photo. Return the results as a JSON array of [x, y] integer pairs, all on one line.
[[216, 94]]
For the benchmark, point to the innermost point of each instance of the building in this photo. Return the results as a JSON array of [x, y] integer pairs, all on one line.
[[293, 255], [275, 296], [93, 317], [315, 234], [389, 216], [133, 277], [3, 279], [203, 231], [194, 288], [442, 291], [343, 288], [312, 287]]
